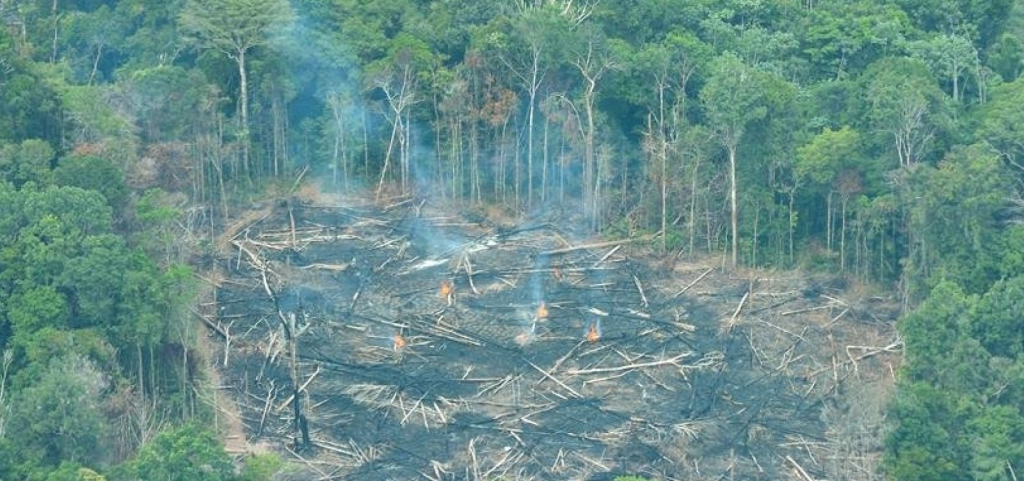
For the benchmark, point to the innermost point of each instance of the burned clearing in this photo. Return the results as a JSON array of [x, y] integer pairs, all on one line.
[[425, 346]]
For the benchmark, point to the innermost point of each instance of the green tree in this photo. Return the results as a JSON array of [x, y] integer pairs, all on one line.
[[184, 453], [91, 42], [956, 212], [234, 28], [937, 340], [1006, 57], [261, 467], [984, 19], [905, 106], [168, 98], [949, 57], [657, 77], [28, 162], [999, 443], [733, 98], [29, 108], [531, 45], [927, 443], [59, 418], [399, 76], [829, 165], [999, 319], [90, 172], [1001, 124], [843, 38]]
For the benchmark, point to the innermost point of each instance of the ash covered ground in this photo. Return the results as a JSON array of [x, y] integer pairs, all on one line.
[[428, 346]]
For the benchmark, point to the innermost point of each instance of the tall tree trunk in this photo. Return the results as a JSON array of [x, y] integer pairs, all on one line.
[[534, 85], [590, 190], [664, 203], [754, 241], [663, 156], [340, 159], [140, 374], [299, 420], [544, 166], [243, 102], [842, 237], [529, 151], [366, 144], [828, 222], [56, 30], [96, 63], [475, 195], [734, 211], [387, 157], [956, 84], [792, 194], [280, 131], [693, 203], [406, 146], [591, 69]]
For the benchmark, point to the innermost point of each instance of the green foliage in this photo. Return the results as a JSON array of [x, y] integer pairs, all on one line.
[[94, 118], [846, 37], [984, 19], [734, 96], [71, 293], [999, 319], [928, 444], [232, 26], [261, 467], [999, 442], [956, 211], [822, 159], [90, 172], [950, 58], [29, 108], [58, 417], [28, 162], [69, 471], [1006, 57], [1001, 122], [185, 453], [168, 98], [905, 107]]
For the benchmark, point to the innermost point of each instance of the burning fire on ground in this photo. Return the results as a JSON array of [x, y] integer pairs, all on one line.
[[594, 333], [399, 343], [525, 337], [542, 311], [447, 291]]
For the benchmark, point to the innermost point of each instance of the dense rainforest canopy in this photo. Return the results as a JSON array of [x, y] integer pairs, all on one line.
[[882, 140]]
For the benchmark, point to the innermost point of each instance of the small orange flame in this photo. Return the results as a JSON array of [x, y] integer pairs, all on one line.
[[524, 338], [593, 335], [399, 343], [446, 289], [542, 311]]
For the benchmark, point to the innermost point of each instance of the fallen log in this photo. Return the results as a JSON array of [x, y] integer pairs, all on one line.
[[553, 378], [596, 370], [596, 245], [799, 469], [301, 388], [210, 324], [688, 286]]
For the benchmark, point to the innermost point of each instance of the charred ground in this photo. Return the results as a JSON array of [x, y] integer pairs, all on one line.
[[680, 372]]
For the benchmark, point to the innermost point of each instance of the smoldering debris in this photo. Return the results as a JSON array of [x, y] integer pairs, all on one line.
[[435, 348]]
